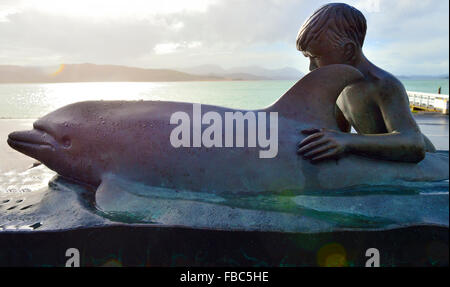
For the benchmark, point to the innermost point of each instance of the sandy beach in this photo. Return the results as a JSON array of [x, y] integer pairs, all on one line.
[[435, 126]]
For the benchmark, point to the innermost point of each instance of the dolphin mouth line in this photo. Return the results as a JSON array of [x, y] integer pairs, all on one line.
[[18, 139], [16, 142]]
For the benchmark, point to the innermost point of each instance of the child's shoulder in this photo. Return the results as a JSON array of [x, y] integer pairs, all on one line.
[[385, 83]]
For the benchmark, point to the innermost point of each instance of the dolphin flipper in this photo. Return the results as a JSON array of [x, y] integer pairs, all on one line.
[[117, 198], [110, 193], [114, 199]]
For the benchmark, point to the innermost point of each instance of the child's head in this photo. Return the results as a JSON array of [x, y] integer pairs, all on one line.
[[334, 34]]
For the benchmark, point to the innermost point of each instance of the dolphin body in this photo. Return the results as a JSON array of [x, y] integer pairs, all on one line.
[[101, 143]]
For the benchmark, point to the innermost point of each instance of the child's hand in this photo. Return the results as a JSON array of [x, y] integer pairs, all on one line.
[[323, 144]]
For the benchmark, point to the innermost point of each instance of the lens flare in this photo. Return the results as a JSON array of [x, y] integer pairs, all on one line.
[[59, 71], [332, 255]]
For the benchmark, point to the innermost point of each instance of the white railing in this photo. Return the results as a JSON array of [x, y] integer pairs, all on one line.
[[428, 101]]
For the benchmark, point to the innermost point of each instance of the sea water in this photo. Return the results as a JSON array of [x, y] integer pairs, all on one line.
[[35, 100]]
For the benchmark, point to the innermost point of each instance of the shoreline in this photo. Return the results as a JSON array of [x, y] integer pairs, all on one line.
[[445, 87]]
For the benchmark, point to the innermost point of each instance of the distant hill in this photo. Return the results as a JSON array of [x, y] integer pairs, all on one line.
[[114, 73], [94, 73], [246, 73]]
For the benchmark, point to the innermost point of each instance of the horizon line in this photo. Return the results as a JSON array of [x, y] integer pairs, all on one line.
[[178, 69]]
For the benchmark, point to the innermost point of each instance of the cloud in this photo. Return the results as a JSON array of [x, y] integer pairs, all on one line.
[[170, 48], [112, 9], [404, 36], [369, 6], [407, 38]]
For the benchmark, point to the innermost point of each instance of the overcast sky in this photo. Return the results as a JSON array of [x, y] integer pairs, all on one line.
[[404, 37]]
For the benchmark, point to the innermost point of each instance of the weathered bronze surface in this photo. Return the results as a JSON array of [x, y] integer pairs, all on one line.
[[377, 107]]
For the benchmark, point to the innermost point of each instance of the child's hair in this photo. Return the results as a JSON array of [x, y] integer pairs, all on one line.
[[340, 21]]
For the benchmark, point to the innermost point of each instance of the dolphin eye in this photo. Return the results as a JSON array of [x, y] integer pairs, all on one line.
[[66, 142]]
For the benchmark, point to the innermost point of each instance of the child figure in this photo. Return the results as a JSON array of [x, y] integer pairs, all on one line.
[[377, 107]]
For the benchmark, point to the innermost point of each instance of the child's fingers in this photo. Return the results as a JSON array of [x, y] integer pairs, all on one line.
[[309, 139], [310, 131], [312, 146], [327, 155], [319, 150]]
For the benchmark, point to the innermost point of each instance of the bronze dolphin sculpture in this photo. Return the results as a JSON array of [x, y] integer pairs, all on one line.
[[99, 142]]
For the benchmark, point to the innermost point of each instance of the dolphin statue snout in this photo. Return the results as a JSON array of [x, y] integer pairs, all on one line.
[[30, 139], [33, 142]]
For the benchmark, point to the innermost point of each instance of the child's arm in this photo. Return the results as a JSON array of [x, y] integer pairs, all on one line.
[[403, 142], [342, 122]]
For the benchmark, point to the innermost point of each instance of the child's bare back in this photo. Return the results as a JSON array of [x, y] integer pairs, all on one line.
[[363, 104]]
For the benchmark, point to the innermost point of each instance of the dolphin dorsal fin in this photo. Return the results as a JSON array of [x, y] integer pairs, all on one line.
[[313, 98]]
